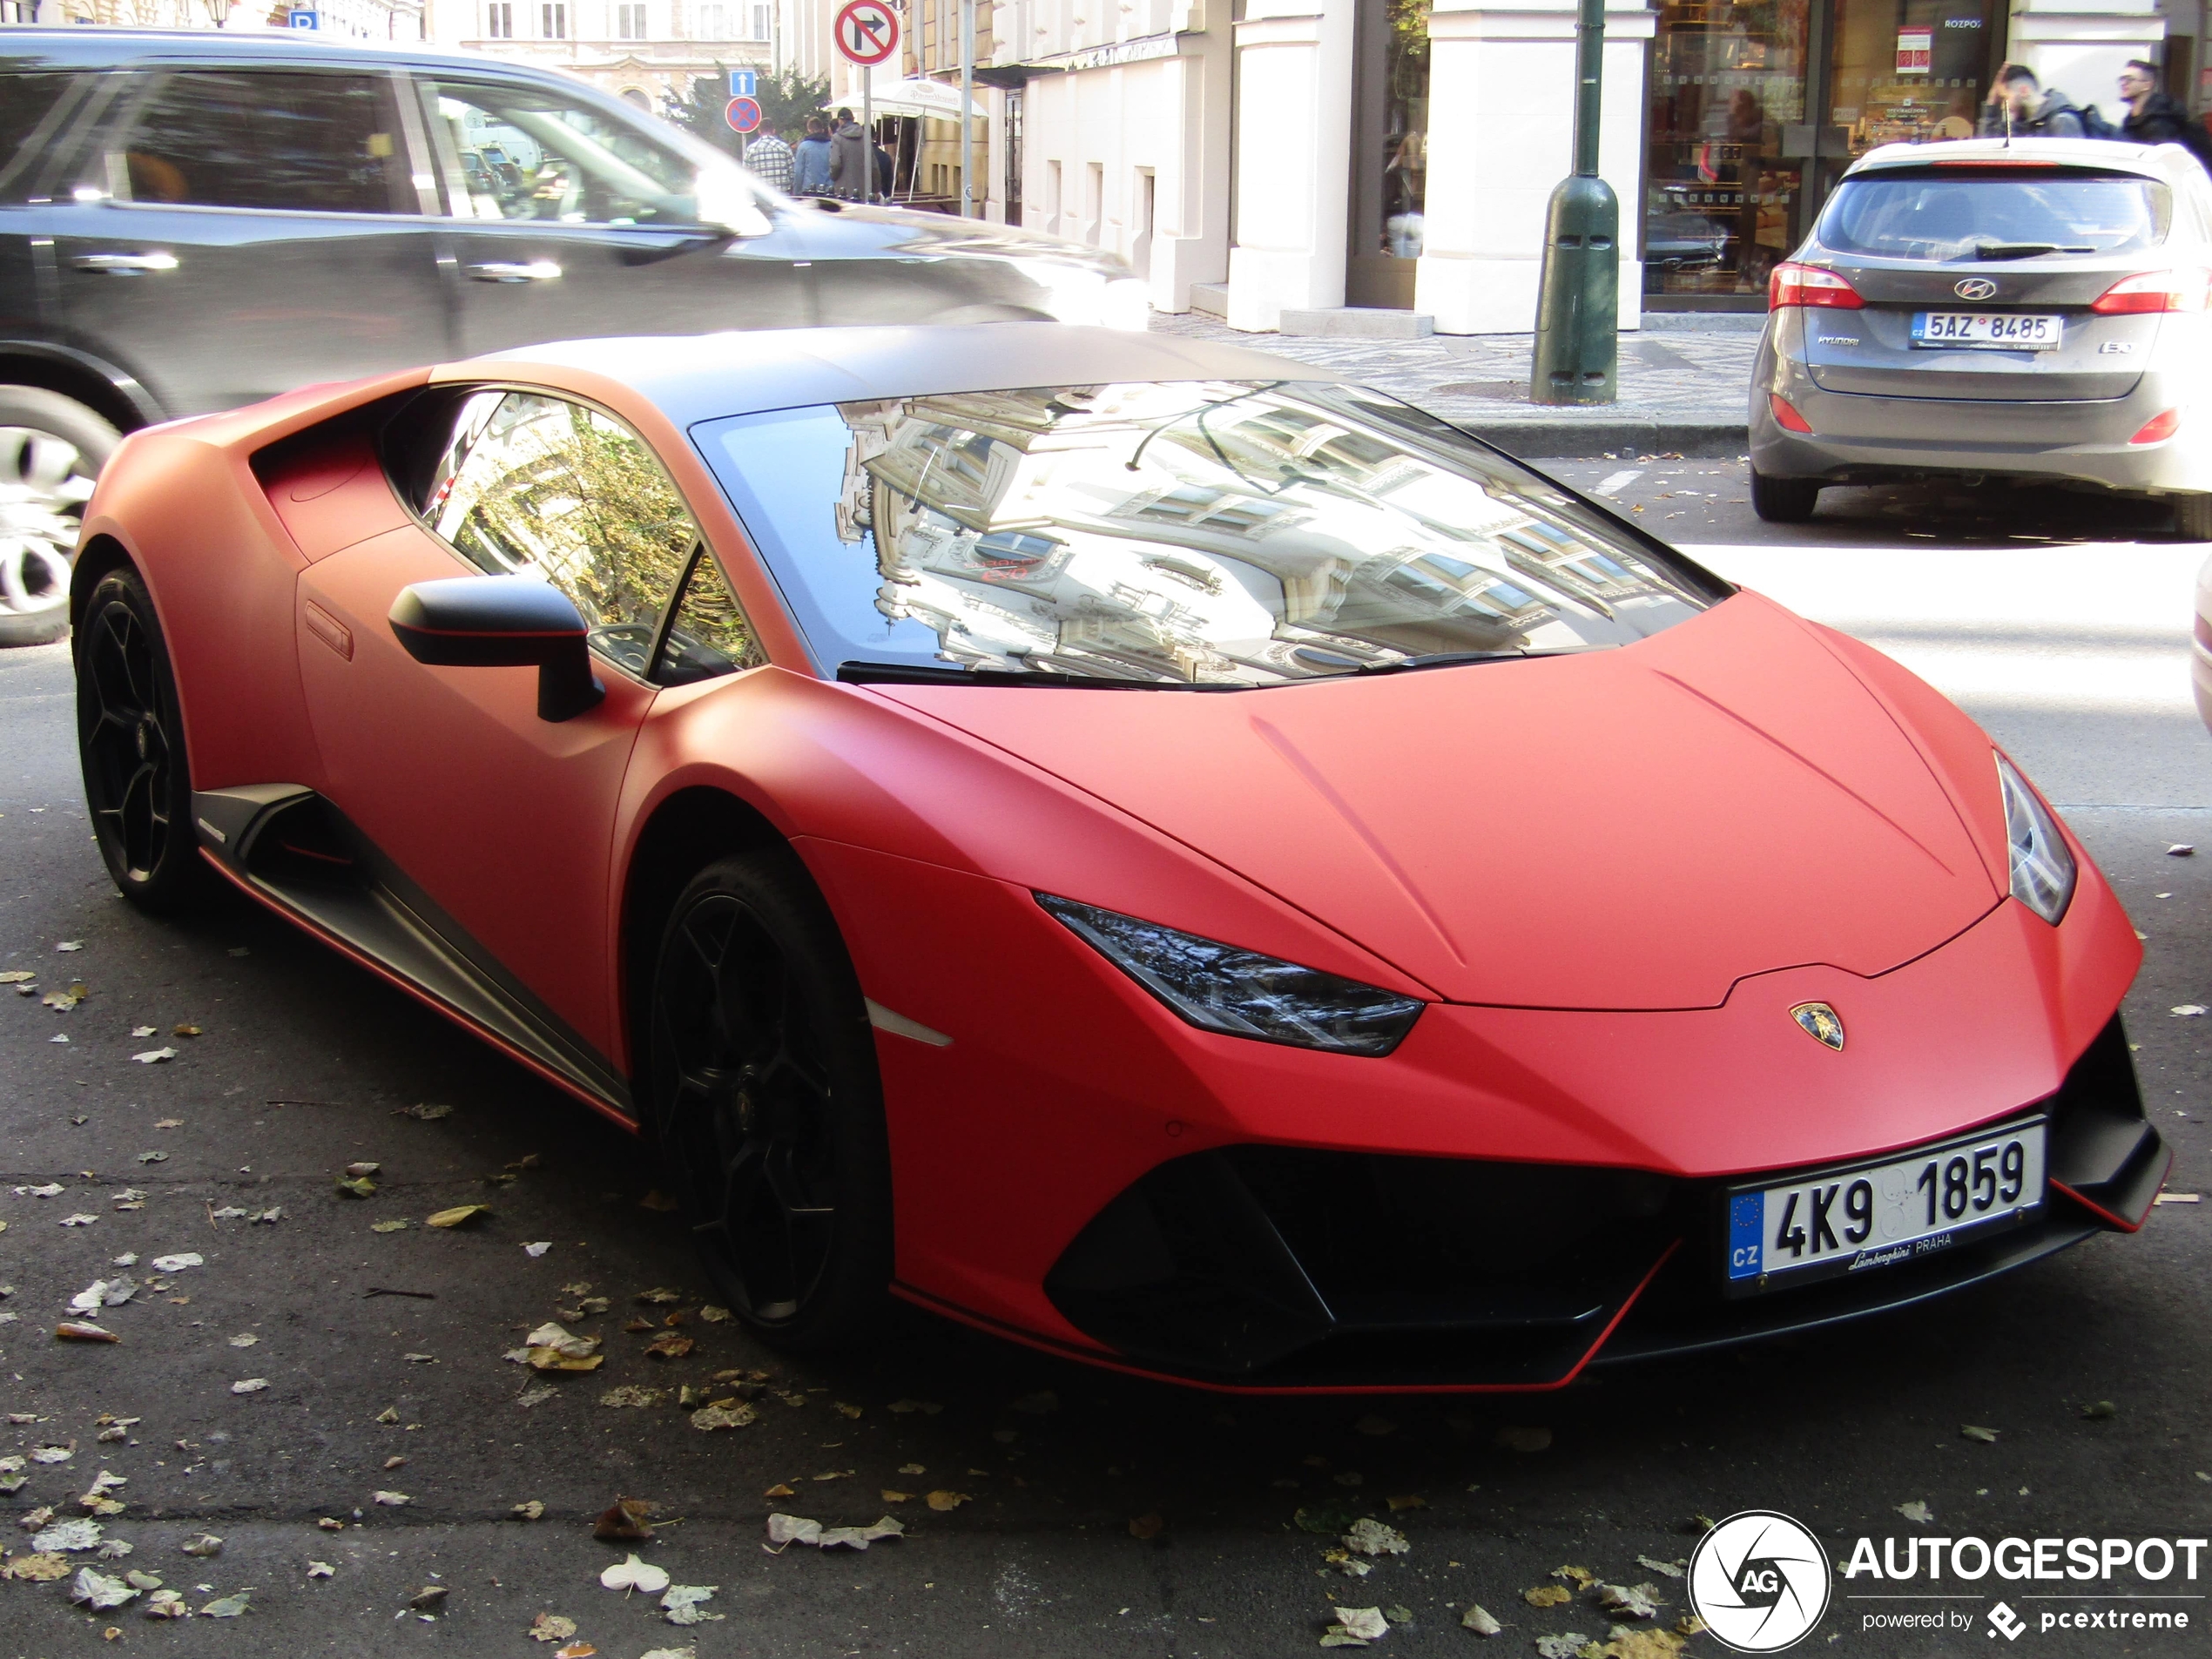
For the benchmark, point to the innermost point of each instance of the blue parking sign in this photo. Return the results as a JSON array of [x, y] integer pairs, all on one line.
[[301, 18]]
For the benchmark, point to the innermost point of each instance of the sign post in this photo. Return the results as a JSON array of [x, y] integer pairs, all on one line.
[[866, 32]]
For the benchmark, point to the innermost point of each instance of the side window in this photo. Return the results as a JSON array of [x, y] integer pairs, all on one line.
[[28, 103], [539, 486], [708, 636], [527, 153], [303, 143]]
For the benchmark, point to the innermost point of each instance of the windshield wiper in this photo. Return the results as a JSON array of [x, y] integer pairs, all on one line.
[[2023, 250], [1449, 658], [853, 671]]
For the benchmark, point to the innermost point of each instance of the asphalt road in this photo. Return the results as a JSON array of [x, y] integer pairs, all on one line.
[[2072, 650]]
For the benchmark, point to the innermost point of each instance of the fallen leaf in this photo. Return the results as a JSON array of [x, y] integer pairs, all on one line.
[[1670, 1569], [785, 1530], [2180, 850], [1916, 1510], [912, 1469], [41, 1569], [322, 1569], [389, 1414], [184, 1031], [393, 1226], [205, 1545], [78, 1220], [2098, 1410], [166, 1604], [74, 1534], [392, 1500], [684, 1603], [627, 1521], [154, 1056], [860, 1537], [359, 1186], [177, 1264], [538, 1249], [714, 1315], [250, 1385], [1976, 1431], [585, 1650], [2188, 1010], [1566, 1645], [1580, 1577], [1547, 1596], [947, 1501], [737, 1415], [71, 944], [844, 1410], [66, 1000], [18, 976], [427, 1113], [227, 1607], [1478, 1619], [551, 1627], [1365, 1623], [1629, 1601], [661, 1296], [889, 1496], [632, 1573], [1144, 1527], [1371, 1537], [429, 1597], [141, 1581], [630, 1394], [670, 1344], [331, 1523], [458, 1216], [80, 1331]]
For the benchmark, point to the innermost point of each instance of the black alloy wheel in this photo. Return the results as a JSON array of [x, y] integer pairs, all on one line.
[[131, 743], [767, 1105]]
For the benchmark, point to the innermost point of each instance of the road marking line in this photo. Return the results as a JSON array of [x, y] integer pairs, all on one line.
[[1618, 481]]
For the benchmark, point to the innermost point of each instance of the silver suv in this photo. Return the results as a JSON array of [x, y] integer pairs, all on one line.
[[189, 222], [2029, 310]]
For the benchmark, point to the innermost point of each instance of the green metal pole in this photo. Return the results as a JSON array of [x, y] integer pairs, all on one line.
[[1578, 297]]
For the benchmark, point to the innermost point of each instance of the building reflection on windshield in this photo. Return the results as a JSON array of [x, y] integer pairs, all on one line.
[[1219, 532]]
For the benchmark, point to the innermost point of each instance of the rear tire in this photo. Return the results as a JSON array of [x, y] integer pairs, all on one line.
[[1783, 501], [51, 448], [2193, 517], [764, 1094], [131, 743]]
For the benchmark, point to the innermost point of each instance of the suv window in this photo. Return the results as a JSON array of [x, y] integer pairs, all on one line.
[[301, 142], [26, 100], [539, 486], [527, 153]]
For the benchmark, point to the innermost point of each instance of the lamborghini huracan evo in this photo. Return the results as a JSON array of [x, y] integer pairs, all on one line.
[[1143, 847]]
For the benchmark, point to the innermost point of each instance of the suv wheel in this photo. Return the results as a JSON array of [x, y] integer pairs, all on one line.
[[51, 448], [765, 1098], [2193, 517], [1783, 501]]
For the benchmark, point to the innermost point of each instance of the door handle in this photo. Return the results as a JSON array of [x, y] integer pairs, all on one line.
[[536, 271], [125, 264]]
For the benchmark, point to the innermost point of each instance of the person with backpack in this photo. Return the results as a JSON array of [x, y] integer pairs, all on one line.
[[2155, 117], [2019, 105]]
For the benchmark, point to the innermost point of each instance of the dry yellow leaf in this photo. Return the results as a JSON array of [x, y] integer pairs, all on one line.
[[460, 1215], [945, 1501], [1547, 1596]]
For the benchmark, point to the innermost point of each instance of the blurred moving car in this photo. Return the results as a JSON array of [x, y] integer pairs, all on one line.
[[1121, 841], [2031, 311], [190, 222]]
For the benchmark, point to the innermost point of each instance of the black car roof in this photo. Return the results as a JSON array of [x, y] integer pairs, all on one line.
[[33, 46]]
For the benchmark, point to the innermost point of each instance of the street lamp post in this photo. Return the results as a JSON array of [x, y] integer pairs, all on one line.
[[1578, 300], [967, 105], [219, 10]]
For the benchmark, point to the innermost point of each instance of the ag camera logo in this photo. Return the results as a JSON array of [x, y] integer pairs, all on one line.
[[1760, 1580]]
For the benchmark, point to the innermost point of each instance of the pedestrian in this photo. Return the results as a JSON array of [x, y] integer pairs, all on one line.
[[770, 158], [2019, 107], [884, 170], [849, 164], [810, 162], [2156, 117]]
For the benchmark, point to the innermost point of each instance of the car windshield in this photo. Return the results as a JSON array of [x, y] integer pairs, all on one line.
[[1185, 532], [1940, 216]]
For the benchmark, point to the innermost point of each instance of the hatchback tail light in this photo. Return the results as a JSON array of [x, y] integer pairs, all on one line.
[[2179, 290], [2159, 428], [1808, 285], [1785, 413]]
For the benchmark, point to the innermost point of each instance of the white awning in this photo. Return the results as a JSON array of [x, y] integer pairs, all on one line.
[[920, 96]]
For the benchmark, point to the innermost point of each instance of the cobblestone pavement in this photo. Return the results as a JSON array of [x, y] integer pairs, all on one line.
[[1680, 386]]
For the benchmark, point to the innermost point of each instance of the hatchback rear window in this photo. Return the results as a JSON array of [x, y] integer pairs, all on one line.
[[2000, 213]]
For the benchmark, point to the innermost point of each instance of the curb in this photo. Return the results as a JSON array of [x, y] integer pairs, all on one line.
[[1575, 440]]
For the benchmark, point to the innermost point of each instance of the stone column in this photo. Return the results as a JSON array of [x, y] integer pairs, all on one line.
[[1501, 134], [2079, 46], [1293, 159]]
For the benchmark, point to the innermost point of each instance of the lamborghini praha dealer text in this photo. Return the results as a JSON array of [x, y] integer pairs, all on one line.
[[1145, 848]]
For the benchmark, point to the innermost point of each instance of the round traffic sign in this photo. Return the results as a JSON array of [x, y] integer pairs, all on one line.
[[742, 114], [866, 32]]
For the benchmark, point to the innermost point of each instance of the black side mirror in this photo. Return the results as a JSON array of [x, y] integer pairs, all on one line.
[[502, 622]]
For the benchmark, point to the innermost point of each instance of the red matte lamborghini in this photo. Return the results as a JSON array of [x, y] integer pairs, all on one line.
[[1145, 848]]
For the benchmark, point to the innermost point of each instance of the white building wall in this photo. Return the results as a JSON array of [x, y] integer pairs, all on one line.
[[1294, 159], [1502, 135]]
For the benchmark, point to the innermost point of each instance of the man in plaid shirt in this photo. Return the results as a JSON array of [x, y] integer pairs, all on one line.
[[769, 157]]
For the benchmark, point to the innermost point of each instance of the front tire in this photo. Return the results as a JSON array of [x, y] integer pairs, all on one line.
[[131, 743], [51, 448], [2193, 517], [764, 1093], [1783, 501]]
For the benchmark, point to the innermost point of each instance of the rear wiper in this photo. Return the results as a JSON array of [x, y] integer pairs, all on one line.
[[2023, 250]]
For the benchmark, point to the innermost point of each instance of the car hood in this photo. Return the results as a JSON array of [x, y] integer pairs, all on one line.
[[1635, 828]]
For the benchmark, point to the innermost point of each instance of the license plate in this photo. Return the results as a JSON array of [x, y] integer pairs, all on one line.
[[1884, 1213], [1994, 330]]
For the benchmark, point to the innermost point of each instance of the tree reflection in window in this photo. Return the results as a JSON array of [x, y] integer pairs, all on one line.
[[539, 486], [708, 634]]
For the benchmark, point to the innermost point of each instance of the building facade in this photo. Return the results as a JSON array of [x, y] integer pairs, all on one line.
[[1255, 156], [649, 51]]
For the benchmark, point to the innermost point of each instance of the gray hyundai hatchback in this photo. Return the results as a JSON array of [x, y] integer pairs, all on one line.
[[2030, 310]]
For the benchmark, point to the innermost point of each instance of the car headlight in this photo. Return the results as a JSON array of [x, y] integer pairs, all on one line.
[[2043, 867], [1241, 993]]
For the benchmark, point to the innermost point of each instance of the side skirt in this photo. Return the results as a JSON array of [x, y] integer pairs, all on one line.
[[295, 851]]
